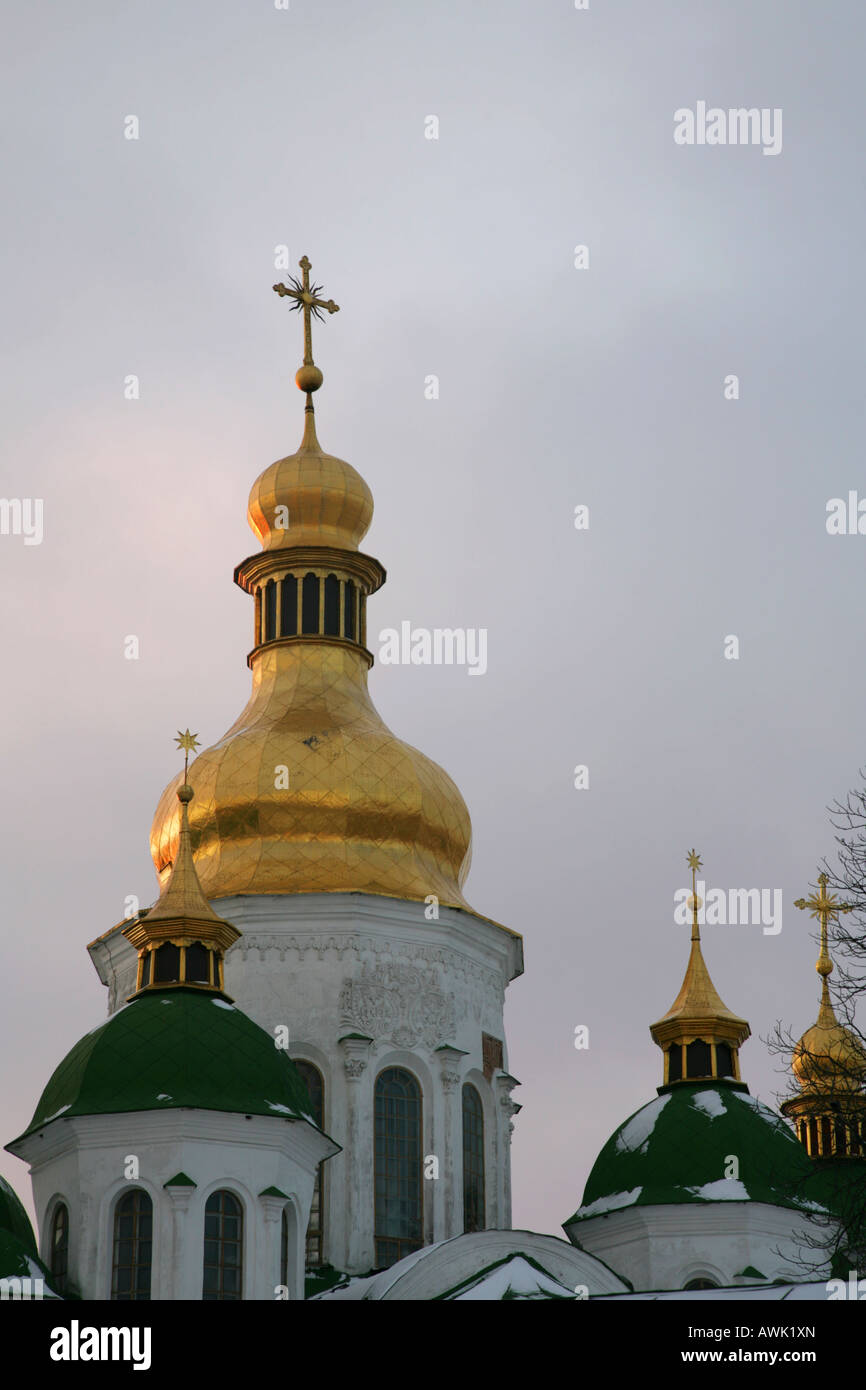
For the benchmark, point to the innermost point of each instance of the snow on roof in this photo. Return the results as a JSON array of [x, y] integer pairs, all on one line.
[[221, 1004], [722, 1190], [612, 1202], [710, 1102], [635, 1136], [49, 1118], [514, 1278]]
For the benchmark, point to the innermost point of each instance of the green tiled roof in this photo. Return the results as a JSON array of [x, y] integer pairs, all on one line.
[[677, 1149], [171, 1049]]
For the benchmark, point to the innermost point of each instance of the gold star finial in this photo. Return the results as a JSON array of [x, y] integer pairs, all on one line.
[[825, 907], [694, 862], [307, 301], [189, 743]]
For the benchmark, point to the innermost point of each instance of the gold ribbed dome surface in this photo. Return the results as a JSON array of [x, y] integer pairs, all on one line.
[[363, 811], [327, 501], [829, 1056]]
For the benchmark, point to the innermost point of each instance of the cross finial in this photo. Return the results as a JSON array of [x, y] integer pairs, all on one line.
[[307, 301], [826, 908], [188, 742]]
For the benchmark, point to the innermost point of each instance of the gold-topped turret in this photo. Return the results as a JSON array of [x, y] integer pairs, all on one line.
[[829, 1062], [180, 940], [699, 1035]]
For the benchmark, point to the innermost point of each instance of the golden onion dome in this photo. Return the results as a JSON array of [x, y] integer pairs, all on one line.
[[829, 1057], [310, 498], [361, 812]]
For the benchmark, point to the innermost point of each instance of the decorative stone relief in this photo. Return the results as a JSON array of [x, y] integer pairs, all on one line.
[[401, 1003]]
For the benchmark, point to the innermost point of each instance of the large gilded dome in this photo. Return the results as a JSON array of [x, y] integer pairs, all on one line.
[[363, 811], [309, 792]]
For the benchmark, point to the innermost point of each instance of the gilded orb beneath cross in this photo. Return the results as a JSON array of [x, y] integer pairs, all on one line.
[[308, 377]]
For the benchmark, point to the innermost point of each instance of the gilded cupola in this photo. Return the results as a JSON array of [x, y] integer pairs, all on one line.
[[699, 1036], [829, 1061], [308, 791]]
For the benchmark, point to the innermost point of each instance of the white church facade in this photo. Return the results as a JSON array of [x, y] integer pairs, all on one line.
[[303, 1083]]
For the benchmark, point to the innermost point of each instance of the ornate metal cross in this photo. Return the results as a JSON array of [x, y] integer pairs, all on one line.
[[306, 297], [826, 908]]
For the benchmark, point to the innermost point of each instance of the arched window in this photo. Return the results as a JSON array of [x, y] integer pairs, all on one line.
[[698, 1059], [223, 1247], [133, 1237], [349, 611], [312, 1079], [197, 969], [270, 611], [724, 1060], [332, 606], [167, 963], [701, 1284], [675, 1062], [473, 1160], [289, 600], [310, 604], [397, 1121], [58, 1257]]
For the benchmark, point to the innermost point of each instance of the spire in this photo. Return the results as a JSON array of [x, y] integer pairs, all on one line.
[[828, 1061], [180, 940], [699, 1034]]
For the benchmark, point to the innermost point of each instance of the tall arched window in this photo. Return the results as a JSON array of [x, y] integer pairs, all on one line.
[[270, 610], [473, 1160], [133, 1246], [310, 603], [223, 1247], [289, 624], [312, 1079], [284, 1248], [698, 1058], [349, 610], [58, 1256], [397, 1118], [332, 606]]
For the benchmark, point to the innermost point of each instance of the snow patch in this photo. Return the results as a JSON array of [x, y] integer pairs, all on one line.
[[162, 1096], [710, 1103], [519, 1279], [49, 1118], [634, 1136], [275, 1105], [221, 1004], [722, 1190], [612, 1202]]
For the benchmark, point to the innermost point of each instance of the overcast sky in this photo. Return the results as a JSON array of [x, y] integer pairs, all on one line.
[[559, 386]]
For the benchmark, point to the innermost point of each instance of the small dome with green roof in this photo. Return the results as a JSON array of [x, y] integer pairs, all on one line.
[[676, 1149], [172, 1049]]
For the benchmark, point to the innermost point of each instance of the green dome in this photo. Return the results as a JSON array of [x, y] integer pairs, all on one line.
[[172, 1049], [676, 1149], [14, 1220], [18, 1257]]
